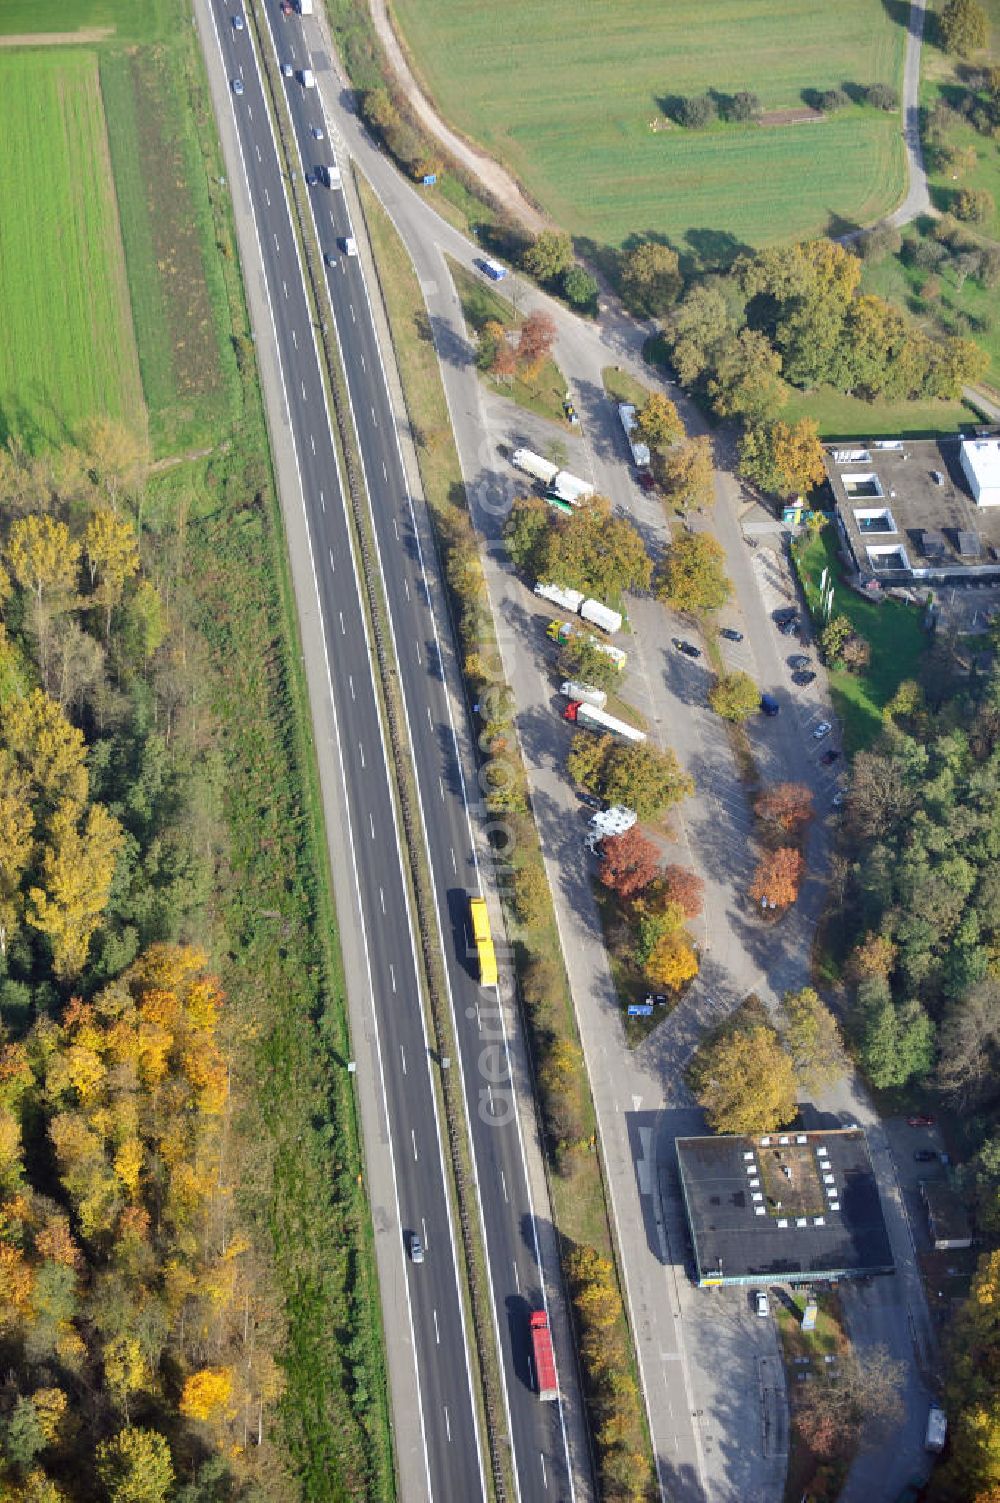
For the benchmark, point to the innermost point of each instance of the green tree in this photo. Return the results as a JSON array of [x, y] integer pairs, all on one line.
[[595, 551], [746, 380], [526, 528], [650, 278], [744, 1081], [658, 422], [896, 1044], [837, 631], [964, 27], [645, 779], [579, 287], [976, 205], [530, 895], [134, 1466], [882, 96], [22, 1436], [743, 106], [813, 1040], [548, 256], [735, 697], [694, 579], [587, 760], [685, 474], [581, 659], [697, 111]]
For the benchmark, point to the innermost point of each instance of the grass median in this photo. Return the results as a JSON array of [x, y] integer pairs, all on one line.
[[574, 1170]]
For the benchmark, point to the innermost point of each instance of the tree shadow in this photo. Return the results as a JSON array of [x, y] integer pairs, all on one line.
[[899, 12], [670, 105], [711, 250]]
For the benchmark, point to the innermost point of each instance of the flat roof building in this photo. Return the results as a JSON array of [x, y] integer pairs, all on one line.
[[919, 510], [792, 1207], [947, 1219]]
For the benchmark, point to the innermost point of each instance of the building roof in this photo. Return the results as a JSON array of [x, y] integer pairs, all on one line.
[[793, 1207], [946, 1215], [981, 457]]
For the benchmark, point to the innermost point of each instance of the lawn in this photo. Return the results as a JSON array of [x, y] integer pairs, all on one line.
[[941, 77], [892, 629], [481, 304], [68, 350], [175, 276], [566, 95], [840, 415], [132, 20]]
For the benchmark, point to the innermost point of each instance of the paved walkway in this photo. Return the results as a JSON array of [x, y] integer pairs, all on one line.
[[918, 198]]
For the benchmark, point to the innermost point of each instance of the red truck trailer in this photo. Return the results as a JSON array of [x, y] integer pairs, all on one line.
[[545, 1362]]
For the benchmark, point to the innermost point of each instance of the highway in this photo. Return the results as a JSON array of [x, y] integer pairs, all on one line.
[[427, 670]]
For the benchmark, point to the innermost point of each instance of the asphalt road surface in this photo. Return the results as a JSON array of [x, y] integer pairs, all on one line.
[[443, 1384]]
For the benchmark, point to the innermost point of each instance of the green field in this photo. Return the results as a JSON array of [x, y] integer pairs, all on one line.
[[68, 349], [943, 76], [565, 95], [840, 415], [131, 20]]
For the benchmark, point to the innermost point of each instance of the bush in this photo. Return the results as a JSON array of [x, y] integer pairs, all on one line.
[[743, 106], [735, 697], [579, 287], [530, 894], [833, 99], [882, 96], [974, 205], [697, 111], [963, 26], [884, 240]]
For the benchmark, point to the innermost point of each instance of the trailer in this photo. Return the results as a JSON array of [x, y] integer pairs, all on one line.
[[331, 175], [580, 713], [561, 631], [569, 489], [937, 1429], [570, 600], [640, 452], [602, 616], [534, 465], [483, 939], [545, 1360], [586, 693]]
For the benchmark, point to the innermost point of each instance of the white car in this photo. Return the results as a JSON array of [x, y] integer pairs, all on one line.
[[287, 71], [761, 1305], [349, 245], [823, 729]]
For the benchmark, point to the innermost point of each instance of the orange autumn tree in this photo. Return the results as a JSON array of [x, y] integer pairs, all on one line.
[[672, 961], [776, 881]]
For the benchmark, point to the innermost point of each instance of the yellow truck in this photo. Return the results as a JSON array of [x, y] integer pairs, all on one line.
[[484, 942]]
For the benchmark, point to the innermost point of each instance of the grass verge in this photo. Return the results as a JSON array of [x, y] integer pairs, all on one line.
[[891, 628], [575, 1183], [621, 387], [804, 1354], [840, 415], [481, 304]]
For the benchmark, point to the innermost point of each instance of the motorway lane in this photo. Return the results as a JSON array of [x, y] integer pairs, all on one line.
[[443, 1385], [542, 1467]]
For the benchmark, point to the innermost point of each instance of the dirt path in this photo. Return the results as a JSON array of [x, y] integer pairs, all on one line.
[[494, 178], [86, 34], [173, 460]]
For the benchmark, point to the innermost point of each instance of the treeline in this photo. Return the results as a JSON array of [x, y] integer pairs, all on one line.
[[149, 1324], [920, 893]]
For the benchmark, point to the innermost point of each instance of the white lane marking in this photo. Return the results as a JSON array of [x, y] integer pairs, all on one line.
[[416, 645], [454, 863], [395, 524], [489, 1097], [437, 1333], [441, 785], [362, 752], [363, 365], [276, 244], [413, 1139], [304, 397], [545, 1479], [343, 628], [332, 220], [517, 1278], [353, 319], [284, 285], [392, 977], [333, 566], [429, 720], [313, 442], [322, 500], [374, 418], [385, 477], [381, 898], [371, 823], [406, 587], [259, 157], [267, 200], [503, 1183], [249, 112], [478, 1018], [350, 680], [447, 1423], [402, 1055], [295, 342], [423, 1228]]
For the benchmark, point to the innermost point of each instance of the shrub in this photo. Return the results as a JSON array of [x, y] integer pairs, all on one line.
[[974, 205], [579, 287], [697, 111], [882, 96], [743, 106], [833, 99]]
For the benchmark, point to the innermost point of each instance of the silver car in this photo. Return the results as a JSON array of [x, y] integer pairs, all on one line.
[[823, 729]]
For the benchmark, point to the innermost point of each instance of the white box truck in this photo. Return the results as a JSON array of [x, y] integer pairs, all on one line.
[[331, 176], [586, 693], [308, 80], [602, 616], [640, 452], [534, 465], [579, 713], [305, 7], [937, 1429], [569, 488], [570, 600]]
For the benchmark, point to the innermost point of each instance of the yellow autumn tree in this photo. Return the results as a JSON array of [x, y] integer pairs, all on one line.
[[112, 554], [43, 555], [48, 749], [207, 1394], [672, 961], [77, 869], [17, 825], [126, 1371]]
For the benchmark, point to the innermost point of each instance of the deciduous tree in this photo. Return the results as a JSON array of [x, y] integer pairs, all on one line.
[[964, 27], [207, 1394], [629, 863], [685, 474], [593, 550], [134, 1466], [777, 877], [694, 579], [734, 696], [530, 893], [650, 278], [548, 256], [861, 1388], [833, 636], [685, 888], [746, 380], [672, 961], [789, 805], [534, 344], [744, 1081], [77, 868], [582, 660], [813, 1040], [658, 422], [43, 555], [646, 779]]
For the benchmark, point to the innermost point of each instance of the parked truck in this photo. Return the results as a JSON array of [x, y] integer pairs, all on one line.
[[937, 1429], [483, 938], [640, 451], [581, 713], [545, 1358], [305, 7], [561, 631], [574, 600], [534, 465], [570, 600], [586, 693], [561, 488]]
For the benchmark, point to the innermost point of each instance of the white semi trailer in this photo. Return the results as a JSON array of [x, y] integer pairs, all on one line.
[[580, 713]]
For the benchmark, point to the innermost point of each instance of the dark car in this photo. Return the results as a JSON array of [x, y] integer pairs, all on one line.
[[920, 1119], [789, 628], [829, 757], [925, 1155], [730, 633], [647, 480], [803, 678], [590, 801], [687, 648], [784, 614], [798, 660], [769, 705], [311, 179]]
